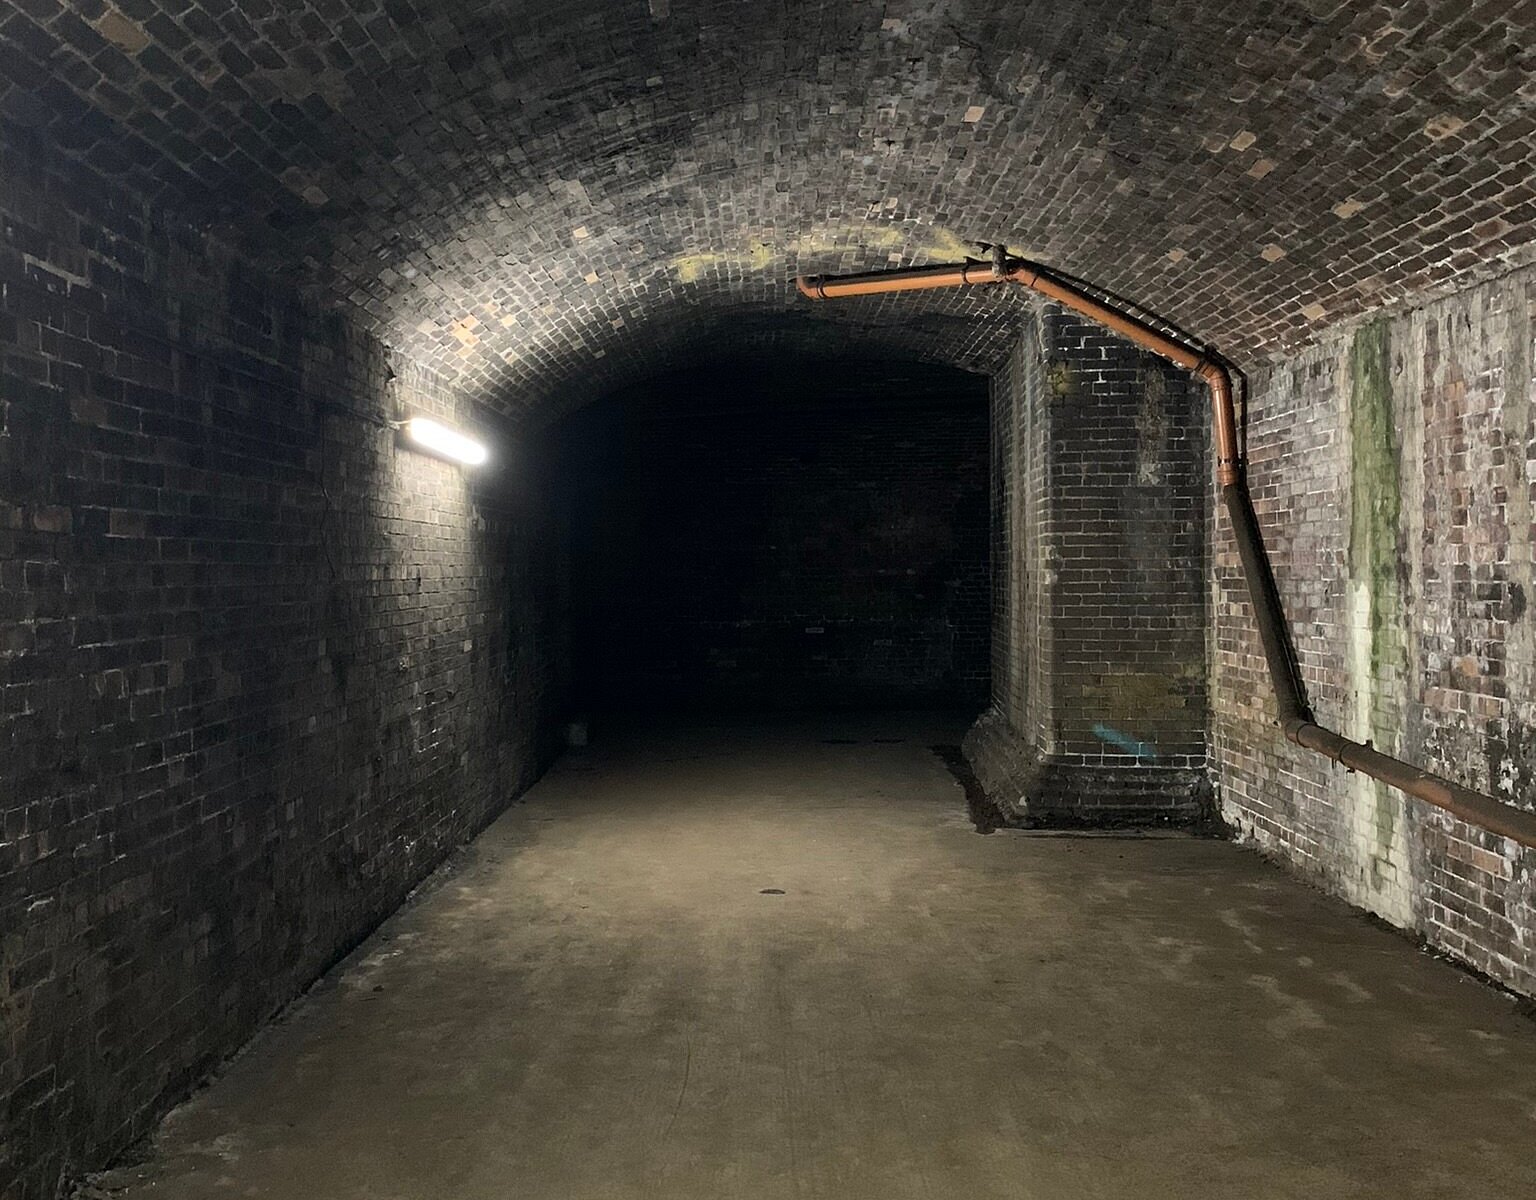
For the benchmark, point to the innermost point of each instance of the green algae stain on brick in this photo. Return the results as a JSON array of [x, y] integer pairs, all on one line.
[[1375, 512], [1376, 497]]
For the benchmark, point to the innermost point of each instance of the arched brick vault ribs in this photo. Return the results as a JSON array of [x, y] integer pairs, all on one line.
[[530, 194]]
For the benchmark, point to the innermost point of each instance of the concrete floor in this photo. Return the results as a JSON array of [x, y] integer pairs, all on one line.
[[604, 998]]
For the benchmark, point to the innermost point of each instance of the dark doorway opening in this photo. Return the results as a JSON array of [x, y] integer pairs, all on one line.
[[796, 536]]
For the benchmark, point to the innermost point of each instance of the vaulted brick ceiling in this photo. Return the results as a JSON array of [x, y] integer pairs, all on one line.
[[533, 193]]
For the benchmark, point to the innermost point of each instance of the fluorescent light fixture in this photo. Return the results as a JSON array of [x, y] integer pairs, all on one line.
[[447, 443]]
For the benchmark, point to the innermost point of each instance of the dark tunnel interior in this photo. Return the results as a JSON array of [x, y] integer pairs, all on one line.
[[761, 535]]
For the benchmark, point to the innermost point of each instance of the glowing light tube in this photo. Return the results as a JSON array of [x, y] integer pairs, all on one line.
[[447, 443]]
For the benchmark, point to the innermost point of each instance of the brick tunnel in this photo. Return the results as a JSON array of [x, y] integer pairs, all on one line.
[[827, 747]]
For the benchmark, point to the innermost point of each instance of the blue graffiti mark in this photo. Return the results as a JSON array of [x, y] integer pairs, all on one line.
[[1123, 741]]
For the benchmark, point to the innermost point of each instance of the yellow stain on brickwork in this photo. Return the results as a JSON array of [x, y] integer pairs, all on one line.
[[122, 31], [690, 268], [1441, 127], [937, 245]]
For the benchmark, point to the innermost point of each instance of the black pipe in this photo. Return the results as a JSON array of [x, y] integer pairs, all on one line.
[[1268, 612]]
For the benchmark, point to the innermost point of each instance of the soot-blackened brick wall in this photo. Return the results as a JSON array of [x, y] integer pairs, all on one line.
[[795, 535], [258, 667], [1098, 515], [1393, 469]]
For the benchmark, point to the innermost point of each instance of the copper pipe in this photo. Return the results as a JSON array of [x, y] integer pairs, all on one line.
[[1295, 715], [917, 279]]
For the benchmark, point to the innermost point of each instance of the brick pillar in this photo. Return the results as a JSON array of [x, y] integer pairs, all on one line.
[[1099, 511]]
